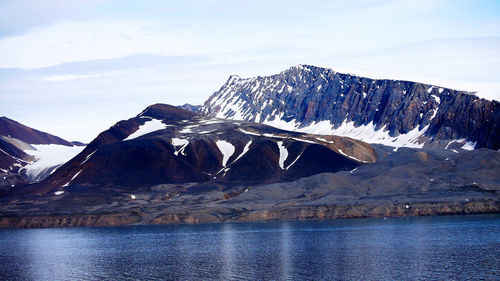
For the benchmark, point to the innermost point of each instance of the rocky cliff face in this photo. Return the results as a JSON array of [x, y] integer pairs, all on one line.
[[396, 113]]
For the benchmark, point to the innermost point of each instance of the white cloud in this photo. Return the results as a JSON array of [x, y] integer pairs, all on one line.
[[69, 77], [89, 40], [80, 62]]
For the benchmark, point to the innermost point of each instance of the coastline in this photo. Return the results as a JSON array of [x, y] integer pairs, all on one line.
[[302, 212]]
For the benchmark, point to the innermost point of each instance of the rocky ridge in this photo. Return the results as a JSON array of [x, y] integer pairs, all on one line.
[[391, 112]]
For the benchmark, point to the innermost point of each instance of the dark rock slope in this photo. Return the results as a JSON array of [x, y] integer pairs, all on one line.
[[168, 145], [408, 182], [391, 112]]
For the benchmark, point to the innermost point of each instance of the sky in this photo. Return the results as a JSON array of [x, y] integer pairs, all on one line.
[[74, 68]]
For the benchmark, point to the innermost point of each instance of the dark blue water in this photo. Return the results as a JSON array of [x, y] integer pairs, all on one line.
[[426, 248]]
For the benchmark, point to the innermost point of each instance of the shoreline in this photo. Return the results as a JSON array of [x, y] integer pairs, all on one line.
[[290, 213]]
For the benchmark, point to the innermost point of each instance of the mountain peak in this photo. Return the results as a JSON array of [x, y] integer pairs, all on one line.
[[397, 113], [166, 112], [232, 78], [306, 67]]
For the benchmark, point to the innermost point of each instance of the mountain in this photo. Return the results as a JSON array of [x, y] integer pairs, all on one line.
[[169, 165], [16, 130], [396, 113], [168, 145], [190, 107], [28, 155], [429, 155], [407, 182]]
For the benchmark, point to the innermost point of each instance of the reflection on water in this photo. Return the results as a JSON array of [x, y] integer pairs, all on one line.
[[228, 252], [285, 258], [461, 247]]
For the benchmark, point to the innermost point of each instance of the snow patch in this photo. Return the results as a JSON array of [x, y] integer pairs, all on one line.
[[88, 157], [148, 127], [248, 132], [319, 128], [436, 98], [76, 175], [303, 140], [349, 156], [210, 121], [59, 192], [206, 132], [324, 140], [278, 123], [469, 145], [182, 143], [49, 155], [227, 149], [367, 133], [283, 154], [435, 110], [273, 136], [188, 129], [454, 141]]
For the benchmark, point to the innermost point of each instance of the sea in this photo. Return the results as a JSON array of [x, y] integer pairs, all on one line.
[[407, 248]]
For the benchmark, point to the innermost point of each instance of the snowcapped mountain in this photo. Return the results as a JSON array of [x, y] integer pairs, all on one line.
[[190, 107], [29, 155], [318, 100], [168, 145]]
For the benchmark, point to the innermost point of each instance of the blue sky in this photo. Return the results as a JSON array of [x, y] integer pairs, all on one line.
[[74, 68]]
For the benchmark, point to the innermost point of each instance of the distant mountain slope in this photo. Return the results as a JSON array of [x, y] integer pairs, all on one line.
[[397, 113], [168, 145], [28, 155], [14, 129], [190, 107]]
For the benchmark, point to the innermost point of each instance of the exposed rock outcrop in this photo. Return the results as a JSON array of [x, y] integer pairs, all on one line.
[[398, 113]]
